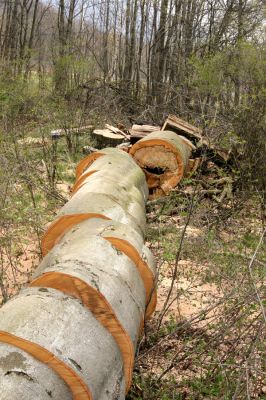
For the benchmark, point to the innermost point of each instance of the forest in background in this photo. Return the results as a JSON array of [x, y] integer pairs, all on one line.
[[71, 63], [203, 60]]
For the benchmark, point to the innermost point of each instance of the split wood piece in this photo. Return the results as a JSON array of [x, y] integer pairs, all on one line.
[[193, 165], [60, 332], [137, 132], [22, 377], [58, 133], [124, 169], [116, 130], [91, 269], [136, 136], [182, 127], [105, 138], [84, 207], [145, 128], [164, 158], [87, 161], [124, 146], [127, 240]]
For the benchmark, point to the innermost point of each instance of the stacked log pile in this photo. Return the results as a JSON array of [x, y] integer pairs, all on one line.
[[73, 332]]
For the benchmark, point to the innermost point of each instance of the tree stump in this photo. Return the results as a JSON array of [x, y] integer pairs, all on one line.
[[106, 138]]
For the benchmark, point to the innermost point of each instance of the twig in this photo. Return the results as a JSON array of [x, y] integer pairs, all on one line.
[[177, 258]]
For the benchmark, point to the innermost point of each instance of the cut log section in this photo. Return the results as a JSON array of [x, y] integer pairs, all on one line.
[[116, 166], [82, 208], [56, 329], [99, 183], [164, 158], [87, 161], [105, 138], [107, 281], [128, 241]]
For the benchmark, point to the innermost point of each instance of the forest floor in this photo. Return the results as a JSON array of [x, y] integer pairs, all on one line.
[[195, 343], [206, 338]]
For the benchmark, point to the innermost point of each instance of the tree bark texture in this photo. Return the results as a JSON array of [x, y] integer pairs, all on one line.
[[73, 332], [63, 334]]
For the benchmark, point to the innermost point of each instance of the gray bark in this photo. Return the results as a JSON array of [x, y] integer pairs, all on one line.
[[64, 327]]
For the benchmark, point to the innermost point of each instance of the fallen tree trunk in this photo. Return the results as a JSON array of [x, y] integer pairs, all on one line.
[[23, 377], [80, 208], [87, 301], [107, 282], [164, 157], [29, 320], [121, 199]]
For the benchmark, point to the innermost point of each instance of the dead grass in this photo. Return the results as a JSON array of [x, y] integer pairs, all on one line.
[[211, 341]]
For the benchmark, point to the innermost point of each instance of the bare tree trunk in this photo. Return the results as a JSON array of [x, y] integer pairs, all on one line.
[[141, 44]]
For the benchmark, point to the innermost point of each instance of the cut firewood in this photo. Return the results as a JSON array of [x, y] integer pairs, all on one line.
[[182, 127], [164, 156], [116, 130], [145, 128], [107, 138]]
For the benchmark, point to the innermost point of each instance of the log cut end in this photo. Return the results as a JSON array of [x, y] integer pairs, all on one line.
[[163, 156], [105, 138]]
